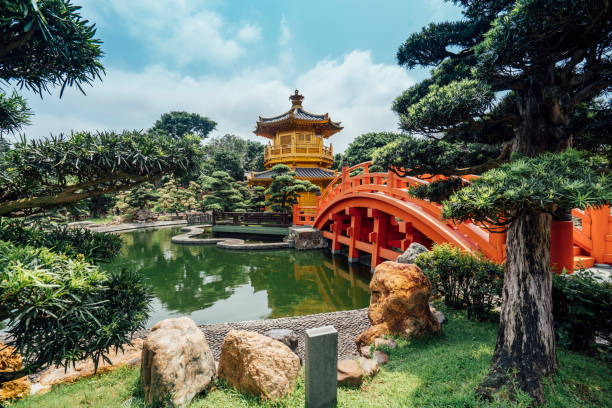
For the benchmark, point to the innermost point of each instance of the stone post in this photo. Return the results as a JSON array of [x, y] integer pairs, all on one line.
[[321, 367]]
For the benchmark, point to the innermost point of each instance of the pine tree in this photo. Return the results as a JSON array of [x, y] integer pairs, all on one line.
[[511, 83], [225, 194], [285, 188]]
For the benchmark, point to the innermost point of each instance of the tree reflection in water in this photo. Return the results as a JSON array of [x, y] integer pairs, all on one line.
[[213, 285]]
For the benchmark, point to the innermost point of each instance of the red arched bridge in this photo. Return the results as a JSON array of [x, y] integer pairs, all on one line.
[[372, 213]]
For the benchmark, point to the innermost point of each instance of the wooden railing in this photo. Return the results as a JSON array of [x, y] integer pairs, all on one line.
[[251, 218], [280, 152], [594, 236]]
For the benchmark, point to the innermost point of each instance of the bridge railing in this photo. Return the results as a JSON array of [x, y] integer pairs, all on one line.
[[594, 237]]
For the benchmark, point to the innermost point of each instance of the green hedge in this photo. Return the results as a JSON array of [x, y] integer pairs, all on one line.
[[582, 307], [95, 246], [61, 309], [465, 280]]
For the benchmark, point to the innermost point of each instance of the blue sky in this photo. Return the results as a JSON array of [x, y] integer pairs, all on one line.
[[235, 60]]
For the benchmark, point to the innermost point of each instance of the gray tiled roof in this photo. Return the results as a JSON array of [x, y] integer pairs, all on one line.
[[305, 172], [298, 113]]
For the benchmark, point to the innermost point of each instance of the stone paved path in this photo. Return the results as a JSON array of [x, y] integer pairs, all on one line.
[[129, 226]]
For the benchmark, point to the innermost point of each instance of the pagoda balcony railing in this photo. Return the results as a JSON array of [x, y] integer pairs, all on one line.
[[298, 151]]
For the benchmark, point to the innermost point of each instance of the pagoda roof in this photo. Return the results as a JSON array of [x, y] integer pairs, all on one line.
[[302, 172], [297, 117]]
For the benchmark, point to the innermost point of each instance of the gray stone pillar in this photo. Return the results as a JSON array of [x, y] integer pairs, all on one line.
[[321, 367]]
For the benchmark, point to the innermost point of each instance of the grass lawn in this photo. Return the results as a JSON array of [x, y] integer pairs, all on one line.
[[435, 372]]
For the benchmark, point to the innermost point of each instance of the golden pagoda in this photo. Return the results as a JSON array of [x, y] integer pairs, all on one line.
[[296, 139]]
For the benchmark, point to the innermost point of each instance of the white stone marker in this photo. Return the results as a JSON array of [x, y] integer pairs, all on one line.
[[321, 367]]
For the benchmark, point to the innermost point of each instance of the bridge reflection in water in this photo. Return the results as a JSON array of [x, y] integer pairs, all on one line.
[[212, 285]]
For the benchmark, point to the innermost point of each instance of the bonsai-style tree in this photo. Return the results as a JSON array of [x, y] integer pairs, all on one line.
[[180, 124], [224, 193], [257, 202], [141, 196], [285, 188], [511, 82]]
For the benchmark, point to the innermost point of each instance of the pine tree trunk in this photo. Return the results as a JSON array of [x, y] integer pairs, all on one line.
[[525, 349]]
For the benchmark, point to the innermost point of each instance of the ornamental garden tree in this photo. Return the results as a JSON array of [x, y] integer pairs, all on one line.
[[225, 194], [285, 188], [180, 124], [514, 85]]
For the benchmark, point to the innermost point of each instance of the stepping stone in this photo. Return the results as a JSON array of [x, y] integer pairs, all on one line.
[[380, 357], [349, 373], [369, 367]]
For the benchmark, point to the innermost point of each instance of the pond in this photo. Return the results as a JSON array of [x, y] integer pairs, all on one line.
[[213, 285]]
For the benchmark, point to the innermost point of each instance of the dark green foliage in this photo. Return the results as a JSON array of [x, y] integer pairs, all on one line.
[[45, 43], [225, 194], [100, 205], [439, 190], [285, 188], [94, 246], [412, 156], [63, 309], [362, 147], [546, 183], [229, 162], [466, 281], [141, 196], [52, 172], [14, 113], [233, 155], [180, 124], [257, 202], [581, 307]]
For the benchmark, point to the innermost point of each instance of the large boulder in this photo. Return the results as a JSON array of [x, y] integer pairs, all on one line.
[[11, 361], [399, 303], [350, 373], [176, 362], [409, 256], [258, 365]]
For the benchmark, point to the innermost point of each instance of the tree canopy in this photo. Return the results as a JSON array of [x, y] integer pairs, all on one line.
[[58, 170], [225, 194], [179, 124], [362, 148], [514, 83], [44, 44]]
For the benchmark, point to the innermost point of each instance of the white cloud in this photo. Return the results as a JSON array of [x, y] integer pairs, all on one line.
[[352, 89], [183, 31], [249, 33]]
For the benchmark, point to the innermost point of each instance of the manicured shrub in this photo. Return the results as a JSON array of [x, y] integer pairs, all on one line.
[[466, 281], [582, 308], [62, 309], [94, 246]]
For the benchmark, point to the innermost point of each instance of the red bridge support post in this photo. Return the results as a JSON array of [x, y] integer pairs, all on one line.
[[354, 232], [378, 235]]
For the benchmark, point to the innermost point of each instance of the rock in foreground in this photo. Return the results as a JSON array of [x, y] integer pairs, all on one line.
[[409, 256], [258, 365], [176, 362], [399, 303], [349, 373], [10, 361]]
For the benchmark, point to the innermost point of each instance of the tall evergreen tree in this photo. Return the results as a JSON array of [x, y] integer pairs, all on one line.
[[510, 83], [285, 188]]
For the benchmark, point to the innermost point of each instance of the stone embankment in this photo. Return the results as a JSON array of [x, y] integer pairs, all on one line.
[[189, 234]]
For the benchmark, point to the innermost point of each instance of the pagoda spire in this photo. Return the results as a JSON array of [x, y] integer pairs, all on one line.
[[296, 100]]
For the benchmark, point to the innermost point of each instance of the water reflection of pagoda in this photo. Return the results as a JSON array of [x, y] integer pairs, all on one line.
[[296, 139]]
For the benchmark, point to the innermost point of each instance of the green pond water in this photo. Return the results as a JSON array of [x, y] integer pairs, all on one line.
[[213, 285]]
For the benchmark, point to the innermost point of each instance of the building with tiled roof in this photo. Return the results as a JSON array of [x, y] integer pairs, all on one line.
[[296, 138]]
